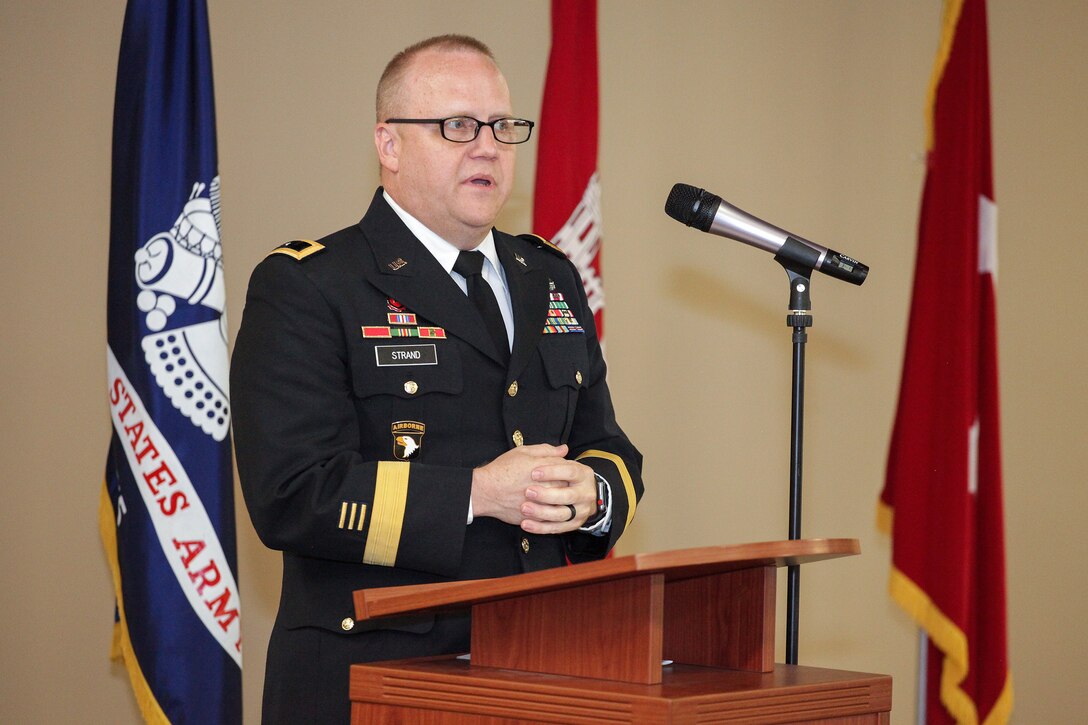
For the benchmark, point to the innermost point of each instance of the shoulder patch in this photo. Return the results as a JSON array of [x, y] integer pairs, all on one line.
[[298, 249], [542, 243]]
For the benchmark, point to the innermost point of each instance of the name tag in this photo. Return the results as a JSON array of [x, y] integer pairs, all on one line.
[[388, 355]]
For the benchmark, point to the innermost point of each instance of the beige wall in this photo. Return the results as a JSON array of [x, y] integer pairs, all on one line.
[[807, 113]]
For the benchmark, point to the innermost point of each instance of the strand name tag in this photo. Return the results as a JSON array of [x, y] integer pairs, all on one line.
[[392, 355]]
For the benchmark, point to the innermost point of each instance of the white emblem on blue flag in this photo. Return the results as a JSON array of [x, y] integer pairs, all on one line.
[[185, 263]]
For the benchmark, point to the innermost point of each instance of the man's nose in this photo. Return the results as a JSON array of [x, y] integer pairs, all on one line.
[[485, 142]]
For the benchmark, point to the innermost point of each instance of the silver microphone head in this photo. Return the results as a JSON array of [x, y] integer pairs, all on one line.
[[707, 212]]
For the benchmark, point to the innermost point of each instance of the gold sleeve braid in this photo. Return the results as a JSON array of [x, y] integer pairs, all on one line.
[[387, 513]]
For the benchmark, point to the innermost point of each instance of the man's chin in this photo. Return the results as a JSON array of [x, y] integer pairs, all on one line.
[[481, 215]]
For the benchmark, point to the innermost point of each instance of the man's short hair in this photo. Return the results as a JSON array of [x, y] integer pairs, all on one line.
[[389, 84]]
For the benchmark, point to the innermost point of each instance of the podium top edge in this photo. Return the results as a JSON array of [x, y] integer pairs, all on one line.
[[673, 565], [766, 553]]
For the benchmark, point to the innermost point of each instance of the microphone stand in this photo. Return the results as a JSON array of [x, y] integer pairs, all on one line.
[[799, 318]]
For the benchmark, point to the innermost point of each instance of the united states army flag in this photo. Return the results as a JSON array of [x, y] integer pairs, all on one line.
[[167, 509]]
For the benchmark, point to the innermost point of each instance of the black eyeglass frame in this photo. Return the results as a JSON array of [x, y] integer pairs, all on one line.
[[479, 124]]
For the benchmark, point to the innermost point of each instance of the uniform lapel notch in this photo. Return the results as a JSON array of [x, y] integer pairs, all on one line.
[[528, 299]]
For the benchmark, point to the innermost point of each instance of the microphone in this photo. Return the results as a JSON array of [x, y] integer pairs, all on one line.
[[709, 213]]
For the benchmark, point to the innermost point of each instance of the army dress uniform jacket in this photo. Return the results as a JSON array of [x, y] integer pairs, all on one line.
[[365, 388]]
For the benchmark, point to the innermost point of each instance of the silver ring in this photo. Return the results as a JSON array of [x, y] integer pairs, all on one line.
[[573, 511]]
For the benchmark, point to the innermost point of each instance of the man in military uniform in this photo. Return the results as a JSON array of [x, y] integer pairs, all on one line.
[[409, 410]]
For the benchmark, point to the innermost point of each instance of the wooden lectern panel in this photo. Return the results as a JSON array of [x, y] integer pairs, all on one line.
[[722, 620], [610, 631]]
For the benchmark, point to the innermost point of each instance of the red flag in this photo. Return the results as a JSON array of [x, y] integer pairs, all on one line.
[[944, 465], [566, 207]]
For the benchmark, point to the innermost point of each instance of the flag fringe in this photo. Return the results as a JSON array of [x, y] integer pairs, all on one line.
[[952, 12], [1002, 709], [121, 645], [948, 638], [115, 642], [884, 517]]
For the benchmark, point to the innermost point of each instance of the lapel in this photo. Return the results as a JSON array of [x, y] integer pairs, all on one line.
[[402, 268], [528, 299]]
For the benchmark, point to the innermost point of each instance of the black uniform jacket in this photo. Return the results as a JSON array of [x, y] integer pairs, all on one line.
[[355, 449]]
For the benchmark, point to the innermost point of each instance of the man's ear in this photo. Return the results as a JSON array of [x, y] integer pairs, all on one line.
[[388, 144]]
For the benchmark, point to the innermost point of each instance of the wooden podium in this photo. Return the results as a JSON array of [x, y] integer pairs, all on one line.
[[586, 644]]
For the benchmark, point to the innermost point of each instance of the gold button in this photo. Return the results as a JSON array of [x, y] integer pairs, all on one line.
[[347, 624], [525, 544], [578, 376], [411, 387], [519, 439], [513, 389]]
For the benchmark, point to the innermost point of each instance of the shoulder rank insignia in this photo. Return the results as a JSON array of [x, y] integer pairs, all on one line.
[[299, 249], [542, 243]]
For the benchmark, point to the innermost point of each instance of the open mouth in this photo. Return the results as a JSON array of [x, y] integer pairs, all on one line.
[[480, 181]]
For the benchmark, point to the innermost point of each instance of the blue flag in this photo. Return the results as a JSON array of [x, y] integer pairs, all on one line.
[[167, 508]]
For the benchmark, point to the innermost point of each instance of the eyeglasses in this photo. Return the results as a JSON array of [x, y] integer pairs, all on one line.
[[463, 129]]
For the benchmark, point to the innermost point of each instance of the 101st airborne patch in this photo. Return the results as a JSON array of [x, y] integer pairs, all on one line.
[[407, 439]]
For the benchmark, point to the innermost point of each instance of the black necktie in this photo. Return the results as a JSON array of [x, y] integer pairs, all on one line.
[[470, 266]]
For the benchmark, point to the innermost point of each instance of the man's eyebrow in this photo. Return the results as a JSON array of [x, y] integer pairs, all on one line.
[[470, 114]]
